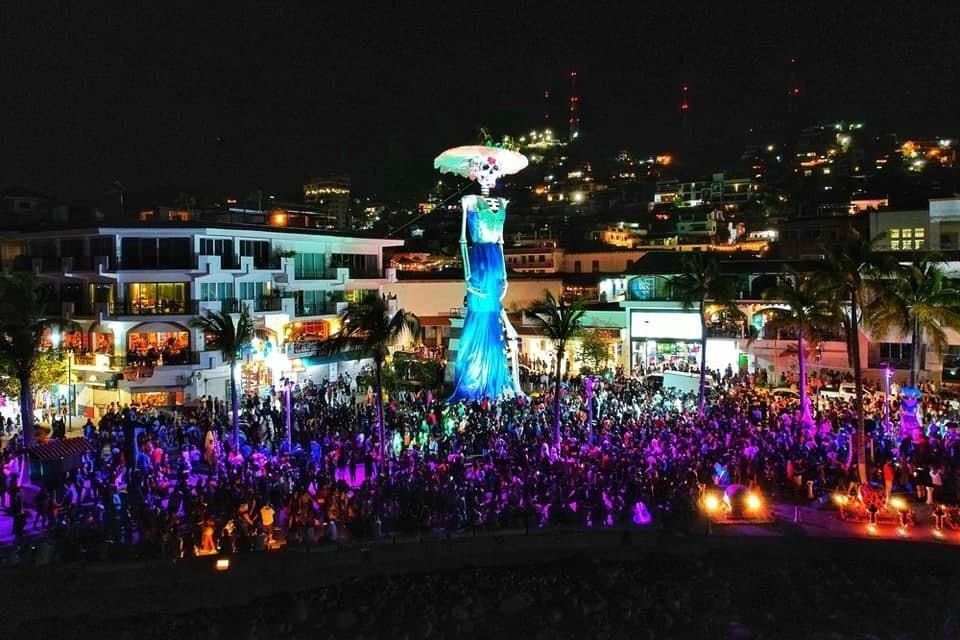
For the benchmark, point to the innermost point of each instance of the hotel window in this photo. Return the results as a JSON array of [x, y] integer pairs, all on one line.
[[157, 297], [156, 253], [309, 266], [216, 247], [918, 237], [906, 233], [894, 234], [895, 245], [596, 266], [312, 302], [358, 295], [254, 290], [211, 291], [259, 250]]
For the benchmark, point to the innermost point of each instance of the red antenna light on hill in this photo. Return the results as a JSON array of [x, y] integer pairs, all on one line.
[[574, 107], [793, 87]]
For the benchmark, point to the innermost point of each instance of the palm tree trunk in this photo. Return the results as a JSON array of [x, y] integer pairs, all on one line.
[[854, 340], [915, 356], [378, 403], [802, 362], [702, 398], [556, 398], [26, 408], [235, 405], [26, 420]]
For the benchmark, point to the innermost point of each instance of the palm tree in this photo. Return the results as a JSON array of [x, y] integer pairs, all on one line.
[[369, 330], [24, 320], [920, 300], [854, 267], [561, 322], [810, 310], [229, 338], [699, 282]]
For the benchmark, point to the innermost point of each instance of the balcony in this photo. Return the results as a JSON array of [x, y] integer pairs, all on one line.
[[269, 263], [725, 331], [89, 264], [227, 305], [161, 308], [267, 303], [99, 361], [160, 264], [365, 274], [104, 362], [148, 361], [311, 274], [212, 263]]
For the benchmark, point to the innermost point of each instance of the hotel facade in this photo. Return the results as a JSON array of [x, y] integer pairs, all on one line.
[[131, 292]]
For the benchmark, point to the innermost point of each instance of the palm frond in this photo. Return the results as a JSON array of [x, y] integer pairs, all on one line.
[[559, 320], [369, 328]]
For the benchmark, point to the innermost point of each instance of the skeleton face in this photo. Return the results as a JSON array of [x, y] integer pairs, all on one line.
[[486, 171]]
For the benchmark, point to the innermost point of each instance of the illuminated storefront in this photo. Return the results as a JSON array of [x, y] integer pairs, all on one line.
[[157, 297], [663, 337], [102, 340], [262, 365], [158, 343], [157, 398]]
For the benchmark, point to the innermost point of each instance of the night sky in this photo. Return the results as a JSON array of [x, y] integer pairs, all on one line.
[[234, 96]]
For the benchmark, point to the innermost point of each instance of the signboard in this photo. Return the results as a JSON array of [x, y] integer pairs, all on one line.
[[678, 325]]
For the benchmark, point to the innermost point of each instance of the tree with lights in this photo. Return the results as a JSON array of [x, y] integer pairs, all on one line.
[[230, 338], [561, 321], [855, 268], [920, 300], [810, 310], [369, 329], [24, 321], [700, 282]]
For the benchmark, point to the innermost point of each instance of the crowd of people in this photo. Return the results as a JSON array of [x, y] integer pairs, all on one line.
[[178, 484]]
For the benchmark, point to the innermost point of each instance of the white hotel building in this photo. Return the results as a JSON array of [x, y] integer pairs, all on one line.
[[132, 291]]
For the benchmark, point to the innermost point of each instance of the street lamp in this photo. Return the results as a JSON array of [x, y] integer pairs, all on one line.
[[588, 384], [56, 338], [887, 376], [289, 386]]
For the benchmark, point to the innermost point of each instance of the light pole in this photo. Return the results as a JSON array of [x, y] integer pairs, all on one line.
[[588, 384], [57, 339], [289, 385], [70, 394], [887, 376]]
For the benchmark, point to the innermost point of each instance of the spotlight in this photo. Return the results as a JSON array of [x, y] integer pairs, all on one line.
[[711, 503]]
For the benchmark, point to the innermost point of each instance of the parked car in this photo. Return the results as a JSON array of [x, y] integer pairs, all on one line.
[[785, 392], [654, 380]]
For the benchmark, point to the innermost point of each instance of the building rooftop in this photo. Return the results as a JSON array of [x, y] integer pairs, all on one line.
[[57, 228]]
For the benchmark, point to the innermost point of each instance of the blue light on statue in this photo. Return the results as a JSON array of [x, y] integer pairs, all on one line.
[[486, 362]]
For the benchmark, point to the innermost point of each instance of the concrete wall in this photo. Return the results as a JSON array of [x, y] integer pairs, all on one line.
[[438, 297], [99, 592]]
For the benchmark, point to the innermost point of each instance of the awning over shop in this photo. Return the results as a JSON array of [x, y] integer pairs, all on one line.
[[60, 449]]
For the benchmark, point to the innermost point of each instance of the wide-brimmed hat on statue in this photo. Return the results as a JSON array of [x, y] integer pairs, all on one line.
[[468, 160]]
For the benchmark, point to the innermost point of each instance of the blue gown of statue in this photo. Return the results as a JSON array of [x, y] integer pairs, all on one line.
[[482, 366]]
